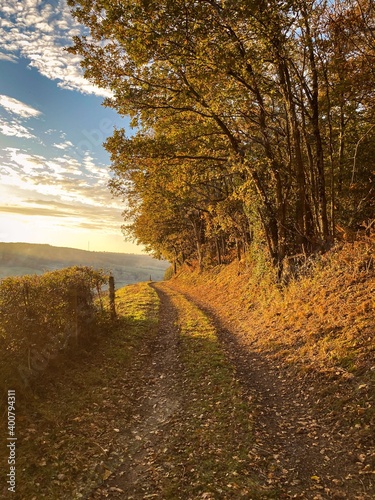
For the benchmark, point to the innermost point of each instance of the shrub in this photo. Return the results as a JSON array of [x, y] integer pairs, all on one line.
[[42, 315]]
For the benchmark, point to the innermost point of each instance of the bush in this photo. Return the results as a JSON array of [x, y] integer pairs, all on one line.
[[41, 316]]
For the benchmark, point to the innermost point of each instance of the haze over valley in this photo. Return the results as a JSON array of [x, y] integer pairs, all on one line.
[[17, 259]]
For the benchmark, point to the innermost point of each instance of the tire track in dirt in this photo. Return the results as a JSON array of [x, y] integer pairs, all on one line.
[[159, 401], [296, 449]]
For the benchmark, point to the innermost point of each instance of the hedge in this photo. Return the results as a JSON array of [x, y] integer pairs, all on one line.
[[41, 315]]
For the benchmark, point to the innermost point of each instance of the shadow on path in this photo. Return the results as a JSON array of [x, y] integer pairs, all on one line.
[[296, 447]]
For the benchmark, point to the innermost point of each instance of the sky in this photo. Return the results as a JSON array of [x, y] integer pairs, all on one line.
[[54, 170]]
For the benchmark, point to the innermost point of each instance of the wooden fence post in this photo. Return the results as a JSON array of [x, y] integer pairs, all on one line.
[[112, 304], [76, 328]]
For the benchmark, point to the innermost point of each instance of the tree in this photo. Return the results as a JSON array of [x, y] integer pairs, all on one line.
[[238, 119]]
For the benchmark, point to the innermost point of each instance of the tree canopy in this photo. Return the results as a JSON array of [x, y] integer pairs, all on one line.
[[254, 120]]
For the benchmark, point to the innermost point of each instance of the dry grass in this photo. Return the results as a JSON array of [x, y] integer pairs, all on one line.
[[317, 320], [320, 326]]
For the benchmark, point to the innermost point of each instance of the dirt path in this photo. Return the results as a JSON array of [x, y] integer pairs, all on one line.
[[304, 451], [158, 402], [295, 451]]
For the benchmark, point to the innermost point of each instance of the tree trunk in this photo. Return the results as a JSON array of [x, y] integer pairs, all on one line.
[[300, 209], [314, 102]]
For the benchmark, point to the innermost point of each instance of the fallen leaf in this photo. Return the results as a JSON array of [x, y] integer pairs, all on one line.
[[106, 474]]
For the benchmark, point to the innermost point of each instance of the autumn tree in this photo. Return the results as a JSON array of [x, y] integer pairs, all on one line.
[[241, 114]]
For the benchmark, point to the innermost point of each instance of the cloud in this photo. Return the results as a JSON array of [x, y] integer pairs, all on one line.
[[64, 178], [14, 128], [20, 112], [64, 145], [57, 191], [99, 173], [79, 215], [39, 32], [17, 107], [32, 211], [8, 57]]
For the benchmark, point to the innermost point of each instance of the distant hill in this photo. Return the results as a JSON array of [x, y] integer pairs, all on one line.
[[17, 259]]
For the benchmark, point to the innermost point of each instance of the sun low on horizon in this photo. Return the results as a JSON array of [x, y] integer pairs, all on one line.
[[54, 170]]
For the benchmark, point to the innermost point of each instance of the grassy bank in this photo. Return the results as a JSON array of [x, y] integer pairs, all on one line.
[[320, 327]]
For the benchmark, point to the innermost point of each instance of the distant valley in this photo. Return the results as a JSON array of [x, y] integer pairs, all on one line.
[[17, 259]]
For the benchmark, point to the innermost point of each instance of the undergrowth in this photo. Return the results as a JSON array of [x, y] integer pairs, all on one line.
[[42, 316]]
